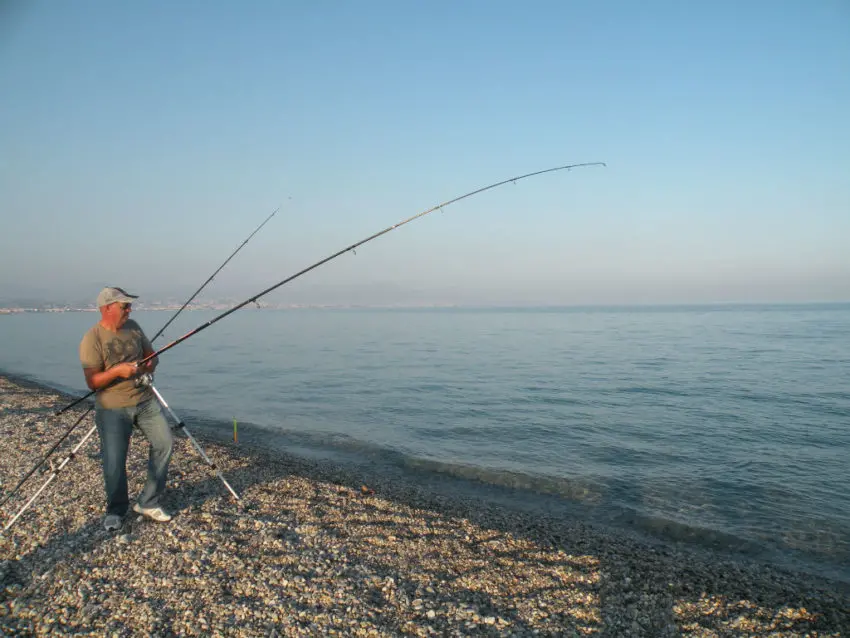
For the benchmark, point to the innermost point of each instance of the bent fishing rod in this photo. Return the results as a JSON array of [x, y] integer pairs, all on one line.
[[304, 271], [352, 247], [161, 330]]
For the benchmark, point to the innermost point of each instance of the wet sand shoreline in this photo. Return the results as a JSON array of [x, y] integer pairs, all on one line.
[[309, 552]]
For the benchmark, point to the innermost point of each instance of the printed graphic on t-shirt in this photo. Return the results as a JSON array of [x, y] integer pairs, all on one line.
[[119, 350]]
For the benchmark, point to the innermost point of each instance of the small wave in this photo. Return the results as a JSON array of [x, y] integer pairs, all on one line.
[[677, 531], [812, 403], [572, 489], [648, 390]]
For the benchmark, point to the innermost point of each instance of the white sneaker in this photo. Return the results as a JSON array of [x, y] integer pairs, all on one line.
[[154, 513], [112, 522]]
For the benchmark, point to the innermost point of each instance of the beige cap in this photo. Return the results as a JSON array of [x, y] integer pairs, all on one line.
[[113, 294]]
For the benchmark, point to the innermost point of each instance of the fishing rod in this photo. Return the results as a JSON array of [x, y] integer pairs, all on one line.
[[91, 407], [351, 248], [212, 276]]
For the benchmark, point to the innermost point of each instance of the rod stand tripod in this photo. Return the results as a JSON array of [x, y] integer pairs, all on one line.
[[180, 425]]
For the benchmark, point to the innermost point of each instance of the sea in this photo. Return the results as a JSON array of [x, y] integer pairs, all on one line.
[[723, 427]]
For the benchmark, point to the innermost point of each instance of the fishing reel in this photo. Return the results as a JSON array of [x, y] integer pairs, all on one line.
[[144, 380]]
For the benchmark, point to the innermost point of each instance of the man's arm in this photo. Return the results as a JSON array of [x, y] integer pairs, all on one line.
[[99, 379]]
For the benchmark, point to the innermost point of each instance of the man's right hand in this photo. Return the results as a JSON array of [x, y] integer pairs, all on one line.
[[126, 370], [99, 379]]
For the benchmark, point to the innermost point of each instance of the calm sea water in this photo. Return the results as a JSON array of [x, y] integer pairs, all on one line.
[[725, 426]]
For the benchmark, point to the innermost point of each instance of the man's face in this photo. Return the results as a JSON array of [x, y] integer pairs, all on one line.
[[119, 312]]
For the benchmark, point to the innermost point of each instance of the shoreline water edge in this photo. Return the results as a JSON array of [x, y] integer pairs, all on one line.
[[318, 547]]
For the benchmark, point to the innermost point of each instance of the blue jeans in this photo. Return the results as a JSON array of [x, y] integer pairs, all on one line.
[[115, 427]]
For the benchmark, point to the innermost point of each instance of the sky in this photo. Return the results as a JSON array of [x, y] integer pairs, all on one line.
[[141, 143]]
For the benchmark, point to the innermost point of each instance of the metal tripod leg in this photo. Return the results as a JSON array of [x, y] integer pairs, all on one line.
[[50, 479], [180, 424], [88, 435]]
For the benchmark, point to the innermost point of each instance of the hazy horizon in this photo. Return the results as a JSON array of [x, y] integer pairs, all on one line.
[[152, 302], [143, 143]]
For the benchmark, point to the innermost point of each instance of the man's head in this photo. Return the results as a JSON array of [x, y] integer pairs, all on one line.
[[115, 304], [113, 294]]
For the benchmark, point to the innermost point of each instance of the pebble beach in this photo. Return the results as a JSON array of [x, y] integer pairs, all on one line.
[[320, 549]]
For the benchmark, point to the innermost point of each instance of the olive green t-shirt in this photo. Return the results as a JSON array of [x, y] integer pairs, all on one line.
[[101, 349]]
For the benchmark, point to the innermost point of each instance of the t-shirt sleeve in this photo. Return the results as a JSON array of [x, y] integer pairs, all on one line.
[[90, 354]]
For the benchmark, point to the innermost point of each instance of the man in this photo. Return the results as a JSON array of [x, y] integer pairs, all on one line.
[[110, 353]]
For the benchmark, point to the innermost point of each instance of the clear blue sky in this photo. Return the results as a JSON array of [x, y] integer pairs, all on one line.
[[140, 142]]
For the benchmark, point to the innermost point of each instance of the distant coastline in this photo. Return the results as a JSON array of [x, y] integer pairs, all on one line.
[[228, 304], [215, 306]]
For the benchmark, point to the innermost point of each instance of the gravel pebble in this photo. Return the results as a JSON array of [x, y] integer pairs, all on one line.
[[310, 552]]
